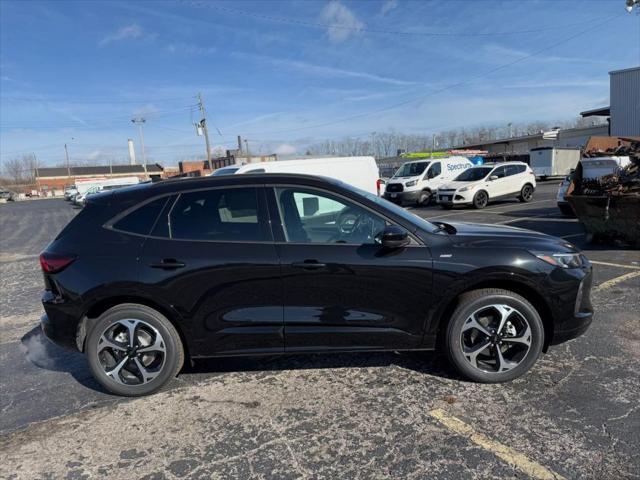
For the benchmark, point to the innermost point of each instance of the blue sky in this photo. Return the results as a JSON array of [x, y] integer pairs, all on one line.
[[285, 74]]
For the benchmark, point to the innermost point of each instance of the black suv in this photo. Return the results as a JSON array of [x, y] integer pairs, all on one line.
[[148, 276]]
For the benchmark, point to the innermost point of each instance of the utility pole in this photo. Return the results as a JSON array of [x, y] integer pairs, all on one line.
[[433, 144], [66, 154], [203, 124], [140, 121], [246, 147]]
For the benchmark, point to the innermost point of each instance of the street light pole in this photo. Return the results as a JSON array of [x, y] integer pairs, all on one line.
[[140, 121], [66, 154]]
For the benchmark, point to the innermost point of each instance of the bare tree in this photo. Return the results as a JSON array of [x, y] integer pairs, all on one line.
[[20, 170]]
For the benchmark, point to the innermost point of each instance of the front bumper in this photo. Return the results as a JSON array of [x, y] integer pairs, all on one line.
[[577, 312], [410, 196], [451, 197]]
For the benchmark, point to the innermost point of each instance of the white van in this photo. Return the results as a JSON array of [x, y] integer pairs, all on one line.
[[417, 182], [361, 172]]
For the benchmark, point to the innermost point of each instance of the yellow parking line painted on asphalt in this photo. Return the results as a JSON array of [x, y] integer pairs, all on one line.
[[518, 460], [613, 281], [619, 265]]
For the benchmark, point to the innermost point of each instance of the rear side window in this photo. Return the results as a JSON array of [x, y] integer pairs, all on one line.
[[142, 219], [515, 169], [220, 214]]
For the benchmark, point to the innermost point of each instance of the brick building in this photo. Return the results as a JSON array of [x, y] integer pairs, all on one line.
[[56, 178]]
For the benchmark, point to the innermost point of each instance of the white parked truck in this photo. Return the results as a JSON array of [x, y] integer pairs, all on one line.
[[553, 161], [361, 172]]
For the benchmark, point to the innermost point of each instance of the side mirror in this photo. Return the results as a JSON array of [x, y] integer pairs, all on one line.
[[393, 237], [493, 177]]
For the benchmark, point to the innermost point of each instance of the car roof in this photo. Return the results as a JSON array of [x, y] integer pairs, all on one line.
[[498, 164], [179, 184]]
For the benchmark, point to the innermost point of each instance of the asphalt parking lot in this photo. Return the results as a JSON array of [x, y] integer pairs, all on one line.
[[378, 415]]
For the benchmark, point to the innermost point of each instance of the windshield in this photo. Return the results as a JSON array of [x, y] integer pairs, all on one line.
[[473, 174], [401, 212], [225, 171], [411, 169]]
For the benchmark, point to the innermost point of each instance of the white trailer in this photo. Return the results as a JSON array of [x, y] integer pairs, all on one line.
[[84, 185], [553, 161]]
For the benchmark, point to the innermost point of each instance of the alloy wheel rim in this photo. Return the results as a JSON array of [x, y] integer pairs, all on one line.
[[482, 199], [495, 338], [131, 352], [527, 193]]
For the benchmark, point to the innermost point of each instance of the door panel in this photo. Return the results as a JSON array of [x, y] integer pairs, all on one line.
[[341, 289], [227, 292], [362, 298]]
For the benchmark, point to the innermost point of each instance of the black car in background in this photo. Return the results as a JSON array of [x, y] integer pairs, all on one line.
[[276, 264]]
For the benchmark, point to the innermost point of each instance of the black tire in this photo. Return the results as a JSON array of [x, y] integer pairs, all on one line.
[[526, 194], [424, 199], [482, 301], [171, 360], [480, 199]]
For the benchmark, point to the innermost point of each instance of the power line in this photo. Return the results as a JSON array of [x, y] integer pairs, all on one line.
[[305, 23], [445, 88], [89, 102]]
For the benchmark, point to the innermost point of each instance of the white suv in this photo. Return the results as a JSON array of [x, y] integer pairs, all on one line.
[[478, 185]]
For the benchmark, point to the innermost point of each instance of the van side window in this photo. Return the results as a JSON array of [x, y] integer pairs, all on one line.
[[515, 169], [434, 170], [141, 220], [230, 214]]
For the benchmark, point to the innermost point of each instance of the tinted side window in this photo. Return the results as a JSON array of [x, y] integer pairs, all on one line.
[[313, 217], [515, 169], [220, 214], [499, 172], [141, 220]]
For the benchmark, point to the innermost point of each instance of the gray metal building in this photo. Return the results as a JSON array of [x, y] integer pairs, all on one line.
[[625, 102]]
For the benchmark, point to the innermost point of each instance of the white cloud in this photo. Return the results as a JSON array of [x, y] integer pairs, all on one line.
[[344, 22], [128, 32], [321, 70], [285, 149], [190, 49], [388, 6]]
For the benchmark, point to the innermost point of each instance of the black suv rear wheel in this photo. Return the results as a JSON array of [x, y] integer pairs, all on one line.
[[133, 350], [494, 336]]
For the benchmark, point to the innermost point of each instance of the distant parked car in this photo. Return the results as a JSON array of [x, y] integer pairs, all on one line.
[[7, 195], [417, 182], [478, 186], [563, 205]]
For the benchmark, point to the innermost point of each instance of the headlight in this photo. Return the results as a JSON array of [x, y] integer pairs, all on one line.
[[564, 260], [463, 189], [411, 183]]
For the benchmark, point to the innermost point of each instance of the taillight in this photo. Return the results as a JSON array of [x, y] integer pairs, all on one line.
[[378, 182], [55, 262]]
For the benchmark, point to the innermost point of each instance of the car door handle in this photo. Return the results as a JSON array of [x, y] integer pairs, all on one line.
[[309, 265], [167, 264]]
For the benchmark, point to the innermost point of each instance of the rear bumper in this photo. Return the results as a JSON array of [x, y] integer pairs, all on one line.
[[57, 324]]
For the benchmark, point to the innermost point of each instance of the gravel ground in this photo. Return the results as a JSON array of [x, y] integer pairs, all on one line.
[[575, 415]]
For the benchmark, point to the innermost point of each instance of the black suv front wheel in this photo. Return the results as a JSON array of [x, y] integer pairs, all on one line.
[[494, 335], [133, 350]]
